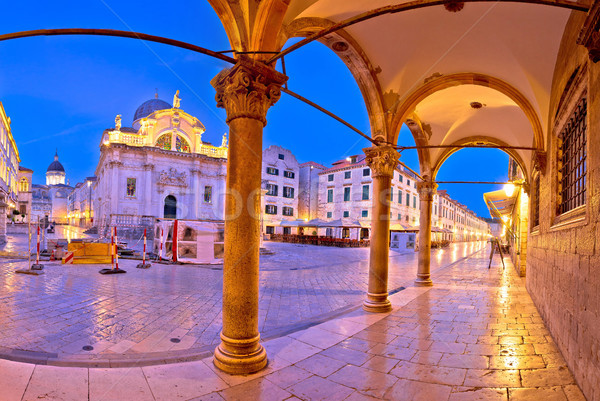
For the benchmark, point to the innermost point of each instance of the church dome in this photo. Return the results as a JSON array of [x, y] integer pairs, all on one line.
[[149, 107], [55, 166]]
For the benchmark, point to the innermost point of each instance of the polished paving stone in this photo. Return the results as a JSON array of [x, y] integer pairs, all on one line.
[[170, 312], [427, 348]]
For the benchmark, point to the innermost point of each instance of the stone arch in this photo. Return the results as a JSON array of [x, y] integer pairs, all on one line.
[[475, 139], [349, 51], [253, 25], [406, 108]]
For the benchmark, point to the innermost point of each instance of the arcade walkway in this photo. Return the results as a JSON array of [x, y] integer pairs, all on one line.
[[475, 335]]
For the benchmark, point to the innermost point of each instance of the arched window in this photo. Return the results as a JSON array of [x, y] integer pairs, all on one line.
[[23, 185], [181, 145], [164, 141], [170, 209]]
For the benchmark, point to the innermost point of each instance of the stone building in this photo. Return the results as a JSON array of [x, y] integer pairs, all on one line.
[[9, 168], [80, 203], [308, 190], [281, 177], [158, 168], [25, 196], [346, 191]]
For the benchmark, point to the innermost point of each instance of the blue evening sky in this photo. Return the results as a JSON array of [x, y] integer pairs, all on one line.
[[63, 91]]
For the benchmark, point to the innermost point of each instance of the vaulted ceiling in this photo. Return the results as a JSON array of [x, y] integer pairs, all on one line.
[[472, 72]]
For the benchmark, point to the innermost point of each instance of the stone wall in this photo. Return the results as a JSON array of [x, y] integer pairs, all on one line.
[[19, 228], [563, 258]]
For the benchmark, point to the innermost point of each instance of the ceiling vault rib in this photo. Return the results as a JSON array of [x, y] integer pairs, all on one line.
[[413, 5]]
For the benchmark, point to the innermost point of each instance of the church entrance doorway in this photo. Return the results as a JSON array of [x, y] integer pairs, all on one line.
[[170, 211]]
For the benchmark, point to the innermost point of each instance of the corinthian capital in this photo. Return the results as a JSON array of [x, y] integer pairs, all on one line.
[[382, 160], [426, 190], [248, 89]]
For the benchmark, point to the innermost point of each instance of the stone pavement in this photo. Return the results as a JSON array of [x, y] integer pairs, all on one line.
[[475, 335], [173, 312]]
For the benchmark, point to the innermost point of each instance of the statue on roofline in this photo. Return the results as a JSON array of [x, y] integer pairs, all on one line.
[[118, 122], [176, 100], [224, 141]]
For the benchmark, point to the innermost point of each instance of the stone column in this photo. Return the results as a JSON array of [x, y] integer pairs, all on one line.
[[245, 91], [197, 194], [426, 191], [148, 168], [383, 161], [115, 187]]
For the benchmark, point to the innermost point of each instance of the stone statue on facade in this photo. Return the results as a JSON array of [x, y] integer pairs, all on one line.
[[176, 100], [118, 122], [224, 141]]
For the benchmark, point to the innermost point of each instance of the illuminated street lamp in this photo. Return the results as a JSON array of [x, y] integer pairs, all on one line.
[[509, 189]]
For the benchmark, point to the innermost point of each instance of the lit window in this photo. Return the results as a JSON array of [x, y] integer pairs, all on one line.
[[164, 142], [181, 145]]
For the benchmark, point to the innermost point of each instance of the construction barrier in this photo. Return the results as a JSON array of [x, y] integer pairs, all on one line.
[[68, 259], [114, 256], [144, 265], [88, 253]]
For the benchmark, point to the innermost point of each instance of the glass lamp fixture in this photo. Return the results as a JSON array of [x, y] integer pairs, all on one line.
[[509, 189]]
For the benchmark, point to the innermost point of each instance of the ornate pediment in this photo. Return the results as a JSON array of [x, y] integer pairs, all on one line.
[[173, 178]]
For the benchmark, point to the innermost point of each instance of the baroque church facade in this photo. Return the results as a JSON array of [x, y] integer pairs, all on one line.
[[158, 168]]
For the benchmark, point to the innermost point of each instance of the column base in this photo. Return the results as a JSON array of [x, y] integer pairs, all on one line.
[[377, 303], [240, 356], [423, 282]]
